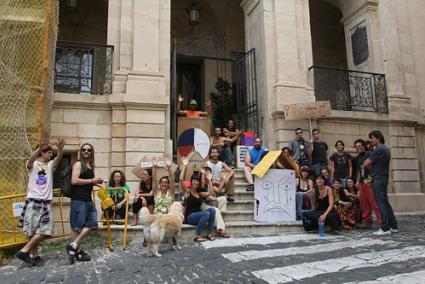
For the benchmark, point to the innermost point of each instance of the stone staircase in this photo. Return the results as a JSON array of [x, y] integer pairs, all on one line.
[[239, 218]]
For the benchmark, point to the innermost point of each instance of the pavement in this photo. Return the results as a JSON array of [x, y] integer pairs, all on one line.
[[349, 257]]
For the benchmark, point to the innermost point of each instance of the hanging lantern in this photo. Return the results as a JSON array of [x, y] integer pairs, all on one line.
[[194, 13]]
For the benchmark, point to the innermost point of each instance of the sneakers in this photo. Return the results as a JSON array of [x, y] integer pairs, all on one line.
[[24, 256], [392, 230], [381, 232], [82, 256], [230, 199], [37, 261], [70, 250], [250, 187]]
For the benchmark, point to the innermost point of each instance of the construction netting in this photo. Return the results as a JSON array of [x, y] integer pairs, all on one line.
[[28, 33]]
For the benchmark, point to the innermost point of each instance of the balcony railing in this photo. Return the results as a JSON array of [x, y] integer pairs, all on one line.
[[350, 90], [82, 68]]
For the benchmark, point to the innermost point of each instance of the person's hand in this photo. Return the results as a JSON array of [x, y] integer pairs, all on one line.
[[202, 170], [209, 176], [181, 98], [44, 144], [97, 181], [347, 204], [60, 143], [168, 164], [118, 207], [357, 185], [226, 180], [322, 218], [185, 161], [154, 163], [208, 103]]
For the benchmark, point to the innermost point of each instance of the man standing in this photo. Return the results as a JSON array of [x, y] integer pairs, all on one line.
[[379, 164], [298, 148], [318, 151], [252, 158], [366, 196], [218, 141], [221, 184], [192, 112], [83, 215], [37, 216]]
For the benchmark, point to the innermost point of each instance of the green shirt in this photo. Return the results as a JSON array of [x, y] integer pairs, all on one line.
[[162, 203], [118, 195]]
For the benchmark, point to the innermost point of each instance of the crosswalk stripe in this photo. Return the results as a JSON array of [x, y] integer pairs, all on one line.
[[310, 269], [417, 277], [258, 254], [235, 242]]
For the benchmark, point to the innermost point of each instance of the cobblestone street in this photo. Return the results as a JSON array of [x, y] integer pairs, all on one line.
[[350, 257]]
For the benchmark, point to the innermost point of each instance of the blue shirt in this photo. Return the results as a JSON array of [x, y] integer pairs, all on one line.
[[256, 155]]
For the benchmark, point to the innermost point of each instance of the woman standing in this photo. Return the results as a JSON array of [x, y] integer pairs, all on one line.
[[193, 214], [143, 195], [322, 208], [341, 165], [305, 191], [164, 197], [120, 196]]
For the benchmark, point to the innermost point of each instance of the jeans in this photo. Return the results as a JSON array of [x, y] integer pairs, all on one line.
[[313, 217], [381, 197], [299, 203], [83, 214], [316, 169], [226, 156], [202, 219]]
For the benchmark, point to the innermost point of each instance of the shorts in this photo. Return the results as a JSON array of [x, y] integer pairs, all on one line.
[[138, 205], [83, 215], [32, 223]]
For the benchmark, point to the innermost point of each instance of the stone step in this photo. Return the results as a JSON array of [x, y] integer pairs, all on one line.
[[240, 215], [240, 205], [235, 228], [244, 195]]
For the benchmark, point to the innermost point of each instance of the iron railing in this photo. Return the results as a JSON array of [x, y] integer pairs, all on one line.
[[350, 90], [246, 90], [82, 68]]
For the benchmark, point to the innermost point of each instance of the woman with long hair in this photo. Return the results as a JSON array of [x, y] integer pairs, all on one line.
[[119, 196], [305, 191], [143, 196], [322, 208], [164, 195], [344, 207]]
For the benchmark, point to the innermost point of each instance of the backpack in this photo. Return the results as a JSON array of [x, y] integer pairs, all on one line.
[[66, 185]]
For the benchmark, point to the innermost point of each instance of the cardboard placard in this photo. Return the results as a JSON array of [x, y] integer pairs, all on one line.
[[184, 123], [146, 163], [195, 163], [307, 110], [240, 155], [264, 165], [275, 197]]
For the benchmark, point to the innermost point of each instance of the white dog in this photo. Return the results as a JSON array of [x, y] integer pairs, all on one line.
[[160, 226]]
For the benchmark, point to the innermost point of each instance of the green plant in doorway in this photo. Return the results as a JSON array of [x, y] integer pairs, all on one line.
[[222, 101]]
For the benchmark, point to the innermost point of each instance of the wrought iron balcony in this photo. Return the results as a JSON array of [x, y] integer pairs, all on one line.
[[82, 68], [350, 90]]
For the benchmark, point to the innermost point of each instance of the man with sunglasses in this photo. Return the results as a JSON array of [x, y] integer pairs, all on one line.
[[37, 215], [318, 151], [83, 215], [299, 149]]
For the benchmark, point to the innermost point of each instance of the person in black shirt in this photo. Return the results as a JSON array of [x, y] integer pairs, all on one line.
[[318, 151], [367, 198], [379, 164], [341, 164], [83, 214]]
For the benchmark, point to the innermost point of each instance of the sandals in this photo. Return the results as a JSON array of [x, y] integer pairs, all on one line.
[[199, 239], [223, 234], [210, 237]]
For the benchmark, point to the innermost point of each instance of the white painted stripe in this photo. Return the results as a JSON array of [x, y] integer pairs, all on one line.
[[310, 269], [258, 254], [235, 242], [417, 277]]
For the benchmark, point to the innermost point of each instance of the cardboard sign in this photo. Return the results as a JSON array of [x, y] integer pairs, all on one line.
[[264, 165], [17, 208], [240, 155], [307, 110], [146, 163], [184, 123], [275, 197], [195, 163]]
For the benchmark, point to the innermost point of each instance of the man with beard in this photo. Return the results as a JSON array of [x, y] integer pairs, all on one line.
[[252, 158], [219, 142], [298, 147]]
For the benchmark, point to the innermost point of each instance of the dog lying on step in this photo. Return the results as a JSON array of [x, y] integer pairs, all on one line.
[[160, 226]]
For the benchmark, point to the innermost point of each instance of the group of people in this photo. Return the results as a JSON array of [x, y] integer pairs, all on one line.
[[339, 190]]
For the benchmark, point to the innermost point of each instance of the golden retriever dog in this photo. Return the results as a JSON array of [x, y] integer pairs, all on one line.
[[160, 226]]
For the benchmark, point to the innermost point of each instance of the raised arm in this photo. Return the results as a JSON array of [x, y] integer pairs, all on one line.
[[44, 143], [206, 113], [172, 184], [154, 178], [178, 110], [60, 143]]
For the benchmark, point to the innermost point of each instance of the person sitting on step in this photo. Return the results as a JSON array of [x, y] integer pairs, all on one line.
[[252, 158]]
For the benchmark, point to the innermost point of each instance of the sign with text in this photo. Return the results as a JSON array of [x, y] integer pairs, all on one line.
[[274, 196], [17, 208], [307, 110], [240, 155]]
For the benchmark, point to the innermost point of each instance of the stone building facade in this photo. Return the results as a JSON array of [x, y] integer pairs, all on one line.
[[363, 55]]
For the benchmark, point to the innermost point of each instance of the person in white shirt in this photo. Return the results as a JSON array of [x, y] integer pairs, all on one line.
[[37, 217]]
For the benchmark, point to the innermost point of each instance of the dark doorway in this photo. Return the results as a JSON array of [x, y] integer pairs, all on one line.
[[189, 83]]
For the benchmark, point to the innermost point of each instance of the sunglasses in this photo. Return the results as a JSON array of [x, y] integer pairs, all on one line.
[[86, 150]]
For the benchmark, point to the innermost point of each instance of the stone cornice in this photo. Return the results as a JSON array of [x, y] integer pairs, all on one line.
[[360, 9], [249, 5]]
